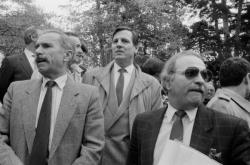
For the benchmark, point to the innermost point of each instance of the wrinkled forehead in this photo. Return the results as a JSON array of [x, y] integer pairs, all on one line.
[[185, 62], [49, 38], [75, 40]]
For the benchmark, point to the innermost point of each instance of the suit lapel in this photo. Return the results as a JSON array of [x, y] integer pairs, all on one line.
[[124, 104], [103, 79], [30, 102], [201, 138], [25, 65], [66, 110]]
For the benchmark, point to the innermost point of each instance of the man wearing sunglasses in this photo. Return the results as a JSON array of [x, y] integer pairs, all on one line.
[[220, 136], [232, 97]]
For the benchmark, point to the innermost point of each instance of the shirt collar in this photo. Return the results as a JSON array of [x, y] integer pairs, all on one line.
[[60, 81], [129, 68], [171, 111], [28, 53]]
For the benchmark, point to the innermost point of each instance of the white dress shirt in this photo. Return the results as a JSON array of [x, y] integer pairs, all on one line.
[[31, 58], [57, 91], [127, 75], [165, 130]]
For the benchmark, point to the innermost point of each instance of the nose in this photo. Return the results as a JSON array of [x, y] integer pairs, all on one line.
[[199, 79], [119, 43], [38, 51]]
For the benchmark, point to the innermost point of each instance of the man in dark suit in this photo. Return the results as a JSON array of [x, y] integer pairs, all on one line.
[[222, 137], [52, 120], [21, 66]]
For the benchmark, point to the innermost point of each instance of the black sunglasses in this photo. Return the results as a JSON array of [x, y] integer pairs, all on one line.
[[192, 72]]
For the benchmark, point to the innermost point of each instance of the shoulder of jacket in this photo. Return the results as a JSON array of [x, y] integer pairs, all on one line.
[[222, 96]]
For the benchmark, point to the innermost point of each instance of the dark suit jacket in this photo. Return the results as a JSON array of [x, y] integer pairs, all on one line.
[[229, 135], [14, 68]]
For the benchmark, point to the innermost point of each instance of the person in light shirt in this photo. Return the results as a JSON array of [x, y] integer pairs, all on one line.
[[222, 137], [73, 133]]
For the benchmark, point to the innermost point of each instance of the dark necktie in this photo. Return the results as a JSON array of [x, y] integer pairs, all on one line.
[[40, 152], [120, 85], [177, 129]]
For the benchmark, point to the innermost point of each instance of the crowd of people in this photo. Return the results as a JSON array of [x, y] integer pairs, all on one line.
[[55, 111]]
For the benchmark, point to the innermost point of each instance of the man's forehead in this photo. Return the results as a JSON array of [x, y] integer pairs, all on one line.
[[48, 37], [123, 33], [189, 61]]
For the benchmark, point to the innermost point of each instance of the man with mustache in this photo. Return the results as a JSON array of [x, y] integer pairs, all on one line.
[[231, 98], [223, 137], [52, 120], [125, 91]]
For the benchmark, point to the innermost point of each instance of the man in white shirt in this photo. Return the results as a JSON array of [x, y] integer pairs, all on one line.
[[52, 120], [125, 91], [21, 66], [222, 137]]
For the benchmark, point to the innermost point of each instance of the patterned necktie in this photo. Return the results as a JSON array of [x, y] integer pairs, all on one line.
[[177, 129], [40, 150], [120, 86]]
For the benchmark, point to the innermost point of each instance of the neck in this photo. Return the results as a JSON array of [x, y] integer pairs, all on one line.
[[54, 76], [123, 63], [240, 90]]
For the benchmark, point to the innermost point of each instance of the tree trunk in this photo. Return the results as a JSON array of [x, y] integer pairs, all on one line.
[[238, 27], [226, 30], [103, 60]]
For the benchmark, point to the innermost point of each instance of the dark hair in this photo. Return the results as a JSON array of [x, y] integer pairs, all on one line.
[[134, 34], [71, 34], [30, 33], [233, 70], [83, 44], [152, 66]]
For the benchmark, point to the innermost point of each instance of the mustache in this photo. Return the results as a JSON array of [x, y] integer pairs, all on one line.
[[39, 59], [197, 90]]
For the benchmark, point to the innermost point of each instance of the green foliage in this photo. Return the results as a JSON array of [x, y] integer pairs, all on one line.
[[157, 23], [14, 22]]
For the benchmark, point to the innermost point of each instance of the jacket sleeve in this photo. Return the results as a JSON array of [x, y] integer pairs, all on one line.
[[7, 155], [6, 73]]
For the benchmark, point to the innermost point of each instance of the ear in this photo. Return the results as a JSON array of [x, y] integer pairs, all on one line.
[[136, 49], [34, 37], [68, 55], [246, 79]]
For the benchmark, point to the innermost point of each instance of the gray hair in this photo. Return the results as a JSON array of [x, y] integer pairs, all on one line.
[[169, 68]]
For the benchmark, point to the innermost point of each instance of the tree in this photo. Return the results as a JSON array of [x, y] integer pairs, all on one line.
[[14, 22]]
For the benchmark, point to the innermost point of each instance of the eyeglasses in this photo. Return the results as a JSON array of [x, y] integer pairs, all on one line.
[[192, 72]]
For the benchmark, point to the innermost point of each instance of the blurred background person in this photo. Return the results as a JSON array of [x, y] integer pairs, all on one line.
[[209, 93], [231, 98], [153, 67], [1, 57], [19, 66], [76, 66]]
